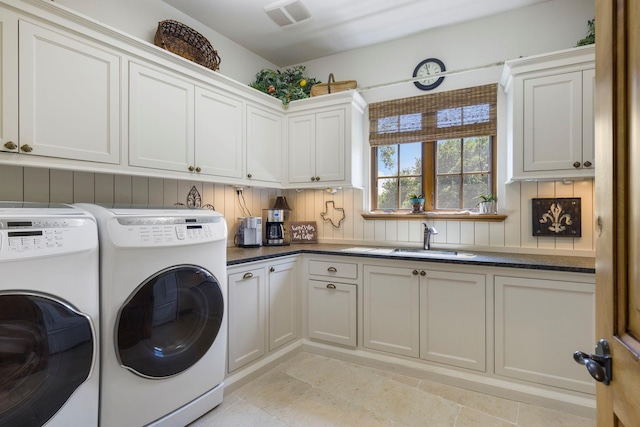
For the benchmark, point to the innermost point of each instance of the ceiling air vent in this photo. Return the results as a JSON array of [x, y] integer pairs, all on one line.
[[287, 12]]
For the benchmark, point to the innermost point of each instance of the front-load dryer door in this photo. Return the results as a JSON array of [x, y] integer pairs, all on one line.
[[169, 322], [46, 353]]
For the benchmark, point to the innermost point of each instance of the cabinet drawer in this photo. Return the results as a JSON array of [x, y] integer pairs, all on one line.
[[333, 269]]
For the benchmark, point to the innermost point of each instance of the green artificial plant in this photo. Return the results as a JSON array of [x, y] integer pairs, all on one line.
[[591, 34], [287, 85]]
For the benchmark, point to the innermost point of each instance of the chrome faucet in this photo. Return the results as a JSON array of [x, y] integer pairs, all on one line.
[[428, 232]]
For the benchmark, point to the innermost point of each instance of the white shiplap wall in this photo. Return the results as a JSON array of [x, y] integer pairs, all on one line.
[[513, 235], [62, 186]]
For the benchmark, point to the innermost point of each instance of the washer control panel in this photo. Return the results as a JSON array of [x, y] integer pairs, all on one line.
[[166, 231], [39, 236]]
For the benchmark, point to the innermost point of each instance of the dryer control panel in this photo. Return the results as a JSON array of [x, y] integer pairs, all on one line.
[[157, 231], [23, 237]]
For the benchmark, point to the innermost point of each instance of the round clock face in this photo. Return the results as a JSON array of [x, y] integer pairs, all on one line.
[[428, 69]]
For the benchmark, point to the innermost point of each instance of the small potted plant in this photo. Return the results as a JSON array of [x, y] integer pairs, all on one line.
[[417, 202], [487, 203]]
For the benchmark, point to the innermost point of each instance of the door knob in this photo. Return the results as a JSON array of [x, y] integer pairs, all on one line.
[[249, 176], [10, 145], [599, 364], [313, 178], [191, 168], [198, 169], [587, 164], [576, 165]]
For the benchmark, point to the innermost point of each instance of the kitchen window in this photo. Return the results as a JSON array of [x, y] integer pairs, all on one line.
[[440, 145]]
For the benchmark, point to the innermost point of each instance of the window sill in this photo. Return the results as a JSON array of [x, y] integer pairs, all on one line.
[[435, 216]]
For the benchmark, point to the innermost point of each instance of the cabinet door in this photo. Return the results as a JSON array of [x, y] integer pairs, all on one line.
[[160, 120], [302, 142], [69, 96], [553, 122], [332, 312], [538, 326], [391, 309], [247, 302], [283, 304], [452, 319], [8, 81], [218, 134], [330, 146], [264, 145], [588, 118]]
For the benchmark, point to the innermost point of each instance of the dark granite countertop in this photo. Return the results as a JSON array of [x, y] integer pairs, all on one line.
[[495, 259]]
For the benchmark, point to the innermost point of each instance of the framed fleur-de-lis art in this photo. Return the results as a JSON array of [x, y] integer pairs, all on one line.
[[556, 217]]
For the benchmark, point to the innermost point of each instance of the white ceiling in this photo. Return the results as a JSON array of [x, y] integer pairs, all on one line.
[[335, 25]]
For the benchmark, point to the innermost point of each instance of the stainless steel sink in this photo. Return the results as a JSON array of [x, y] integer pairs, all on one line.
[[433, 253], [414, 252]]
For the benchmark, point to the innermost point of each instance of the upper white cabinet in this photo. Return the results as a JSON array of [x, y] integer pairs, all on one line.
[[69, 96], [177, 126], [161, 118], [264, 145], [551, 115], [9, 81], [78, 95], [219, 131], [325, 141]]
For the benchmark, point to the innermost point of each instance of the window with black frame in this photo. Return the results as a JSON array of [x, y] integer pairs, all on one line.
[[440, 146]]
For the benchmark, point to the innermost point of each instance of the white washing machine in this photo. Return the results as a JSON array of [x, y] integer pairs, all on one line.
[[163, 313], [49, 310]]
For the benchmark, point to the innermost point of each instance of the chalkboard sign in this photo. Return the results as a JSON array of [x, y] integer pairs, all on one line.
[[303, 232]]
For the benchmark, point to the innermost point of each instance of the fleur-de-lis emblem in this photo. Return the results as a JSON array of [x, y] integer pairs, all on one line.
[[556, 218]]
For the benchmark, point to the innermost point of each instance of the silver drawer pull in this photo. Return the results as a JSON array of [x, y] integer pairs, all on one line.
[[331, 286], [332, 270], [247, 275]]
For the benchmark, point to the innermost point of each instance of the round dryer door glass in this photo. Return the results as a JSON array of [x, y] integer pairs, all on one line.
[[170, 322], [46, 353]]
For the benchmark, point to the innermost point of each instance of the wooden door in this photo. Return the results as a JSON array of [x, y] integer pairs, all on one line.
[[618, 207]]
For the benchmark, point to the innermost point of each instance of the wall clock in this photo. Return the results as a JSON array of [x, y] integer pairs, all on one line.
[[428, 68]]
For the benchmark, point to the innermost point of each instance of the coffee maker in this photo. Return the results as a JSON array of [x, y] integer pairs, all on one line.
[[275, 223], [249, 232], [274, 227]]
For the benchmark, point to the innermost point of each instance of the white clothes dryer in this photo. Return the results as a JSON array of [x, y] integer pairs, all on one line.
[[163, 305], [49, 312]]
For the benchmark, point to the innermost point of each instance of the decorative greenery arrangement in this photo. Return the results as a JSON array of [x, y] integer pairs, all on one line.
[[591, 34], [287, 85]]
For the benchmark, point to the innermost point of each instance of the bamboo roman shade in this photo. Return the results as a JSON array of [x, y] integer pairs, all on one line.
[[458, 113]]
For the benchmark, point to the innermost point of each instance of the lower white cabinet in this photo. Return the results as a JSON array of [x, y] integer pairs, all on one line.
[[452, 318], [332, 312], [246, 309], [263, 310], [418, 312], [539, 325], [283, 304], [391, 309]]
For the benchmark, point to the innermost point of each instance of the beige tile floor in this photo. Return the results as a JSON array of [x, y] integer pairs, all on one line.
[[311, 390]]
